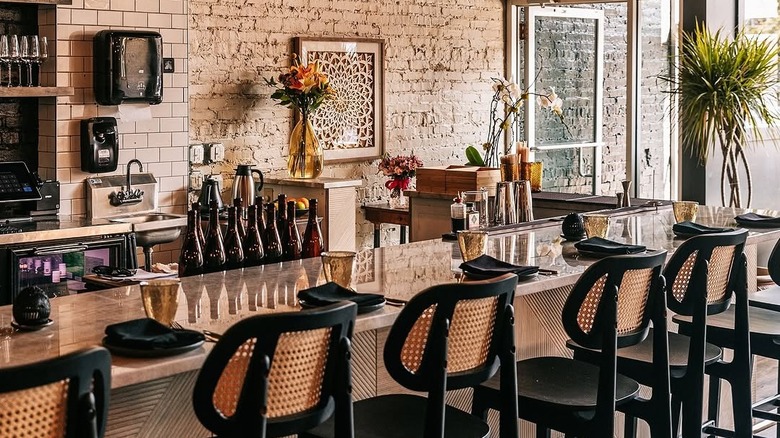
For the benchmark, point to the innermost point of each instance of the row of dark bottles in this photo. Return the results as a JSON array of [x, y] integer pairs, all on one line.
[[268, 237]]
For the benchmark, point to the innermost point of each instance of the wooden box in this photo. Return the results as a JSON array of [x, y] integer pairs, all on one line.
[[472, 178], [433, 179], [457, 178]]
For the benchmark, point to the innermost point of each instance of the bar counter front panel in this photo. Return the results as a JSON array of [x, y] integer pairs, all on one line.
[[152, 397]]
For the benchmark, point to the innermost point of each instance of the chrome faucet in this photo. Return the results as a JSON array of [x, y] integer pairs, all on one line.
[[140, 169], [127, 195]]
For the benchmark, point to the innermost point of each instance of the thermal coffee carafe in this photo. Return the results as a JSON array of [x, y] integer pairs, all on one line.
[[210, 192], [245, 186]]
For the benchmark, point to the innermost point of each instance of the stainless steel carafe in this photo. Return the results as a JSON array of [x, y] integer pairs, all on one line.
[[505, 210], [244, 185], [208, 193], [525, 210]]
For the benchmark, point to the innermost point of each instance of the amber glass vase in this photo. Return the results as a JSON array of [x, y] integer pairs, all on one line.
[[305, 158]]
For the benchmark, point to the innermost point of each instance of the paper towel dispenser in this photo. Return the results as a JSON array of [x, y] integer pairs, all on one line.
[[127, 67]]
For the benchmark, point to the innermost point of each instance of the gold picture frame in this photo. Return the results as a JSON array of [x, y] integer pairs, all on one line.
[[351, 125]]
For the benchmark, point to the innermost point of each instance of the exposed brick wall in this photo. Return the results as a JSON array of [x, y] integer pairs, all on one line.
[[160, 142], [440, 56]]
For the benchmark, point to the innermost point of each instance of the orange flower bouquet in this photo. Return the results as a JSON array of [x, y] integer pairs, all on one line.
[[304, 88]]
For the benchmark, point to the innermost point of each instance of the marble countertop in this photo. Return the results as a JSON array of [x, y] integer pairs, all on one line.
[[216, 301]]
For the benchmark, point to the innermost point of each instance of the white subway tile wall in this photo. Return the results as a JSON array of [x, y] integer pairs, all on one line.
[[160, 142]]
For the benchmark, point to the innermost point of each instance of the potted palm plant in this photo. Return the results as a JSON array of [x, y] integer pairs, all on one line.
[[725, 91]]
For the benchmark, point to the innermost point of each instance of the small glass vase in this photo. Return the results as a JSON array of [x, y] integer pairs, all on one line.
[[397, 187], [305, 157], [398, 199]]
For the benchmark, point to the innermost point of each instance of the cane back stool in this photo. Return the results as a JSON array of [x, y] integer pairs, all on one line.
[[447, 337], [65, 397], [279, 374], [608, 309]]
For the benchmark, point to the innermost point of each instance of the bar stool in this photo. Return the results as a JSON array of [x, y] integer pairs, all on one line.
[[62, 397], [608, 309], [279, 374], [764, 326], [447, 337]]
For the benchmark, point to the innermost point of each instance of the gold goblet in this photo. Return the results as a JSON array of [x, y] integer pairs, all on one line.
[[472, 244], [596, 225], [338, 266], [685, 210], [161, 299]]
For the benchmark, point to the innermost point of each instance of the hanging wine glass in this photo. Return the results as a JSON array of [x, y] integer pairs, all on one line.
[[33, 55], [43, 55], [5, 57], [25, 58], [13, 54]]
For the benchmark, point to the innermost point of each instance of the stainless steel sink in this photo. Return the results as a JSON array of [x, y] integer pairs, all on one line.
[[154, 228]]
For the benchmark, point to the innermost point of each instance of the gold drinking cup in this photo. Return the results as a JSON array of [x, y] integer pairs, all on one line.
[[472, 244], [338, 266], [685, 210], [161, 299], [596, 225]]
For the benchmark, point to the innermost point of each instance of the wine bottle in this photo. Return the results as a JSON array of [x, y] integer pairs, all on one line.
[[234, 249], [273, 245], [198, 227], [292, 247], [312, 245], [281, 217], [253, 243], [214, 254], [191, 256], [260, 215], [240, 218]]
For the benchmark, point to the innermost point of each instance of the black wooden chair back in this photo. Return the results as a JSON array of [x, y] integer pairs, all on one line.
[[279, 374], [609, 308], [774, 263], [455, 336], [65, 397]]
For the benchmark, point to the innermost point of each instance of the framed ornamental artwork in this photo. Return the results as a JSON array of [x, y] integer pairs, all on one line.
[[350, 125]]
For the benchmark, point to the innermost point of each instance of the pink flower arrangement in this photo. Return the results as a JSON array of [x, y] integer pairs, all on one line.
[[400, 169]]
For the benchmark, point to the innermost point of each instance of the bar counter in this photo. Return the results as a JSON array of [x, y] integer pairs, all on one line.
[[216, 301]]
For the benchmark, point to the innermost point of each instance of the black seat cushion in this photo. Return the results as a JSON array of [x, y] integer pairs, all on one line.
[[402, 416], [562, 384], [635, 360], [768, 298], [764, 330]]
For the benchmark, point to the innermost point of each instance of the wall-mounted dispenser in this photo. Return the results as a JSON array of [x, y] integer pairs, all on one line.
[[99, 145], [128, 67]]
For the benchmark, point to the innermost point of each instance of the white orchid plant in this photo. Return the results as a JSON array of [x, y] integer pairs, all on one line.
[[509, 95]]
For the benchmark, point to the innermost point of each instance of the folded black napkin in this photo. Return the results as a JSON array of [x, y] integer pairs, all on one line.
[[331, 292], [487, 265], [755, 219], [689, 228], [148, 334], [604, 246]]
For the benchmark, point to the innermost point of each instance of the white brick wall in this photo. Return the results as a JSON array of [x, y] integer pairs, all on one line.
[[440, 55]]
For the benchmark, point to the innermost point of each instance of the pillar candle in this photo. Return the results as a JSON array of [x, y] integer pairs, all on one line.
[[522, 151]]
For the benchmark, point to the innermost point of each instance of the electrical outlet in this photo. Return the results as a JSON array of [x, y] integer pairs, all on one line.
[[196, 180], [196, 154], [216, 152]]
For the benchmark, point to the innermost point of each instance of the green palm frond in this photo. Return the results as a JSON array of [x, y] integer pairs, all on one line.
[[723, 87]]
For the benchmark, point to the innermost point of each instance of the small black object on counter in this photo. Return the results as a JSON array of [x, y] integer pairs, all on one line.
[[573, 226], [31, 307]]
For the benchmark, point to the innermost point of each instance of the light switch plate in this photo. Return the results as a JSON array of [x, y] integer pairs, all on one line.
[[196, 154], [216, 152]]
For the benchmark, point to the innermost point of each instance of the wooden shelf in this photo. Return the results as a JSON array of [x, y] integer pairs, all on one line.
[[40, 2], [35, 91]]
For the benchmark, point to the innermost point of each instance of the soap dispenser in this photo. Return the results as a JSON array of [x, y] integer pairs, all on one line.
[[99, 145]]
